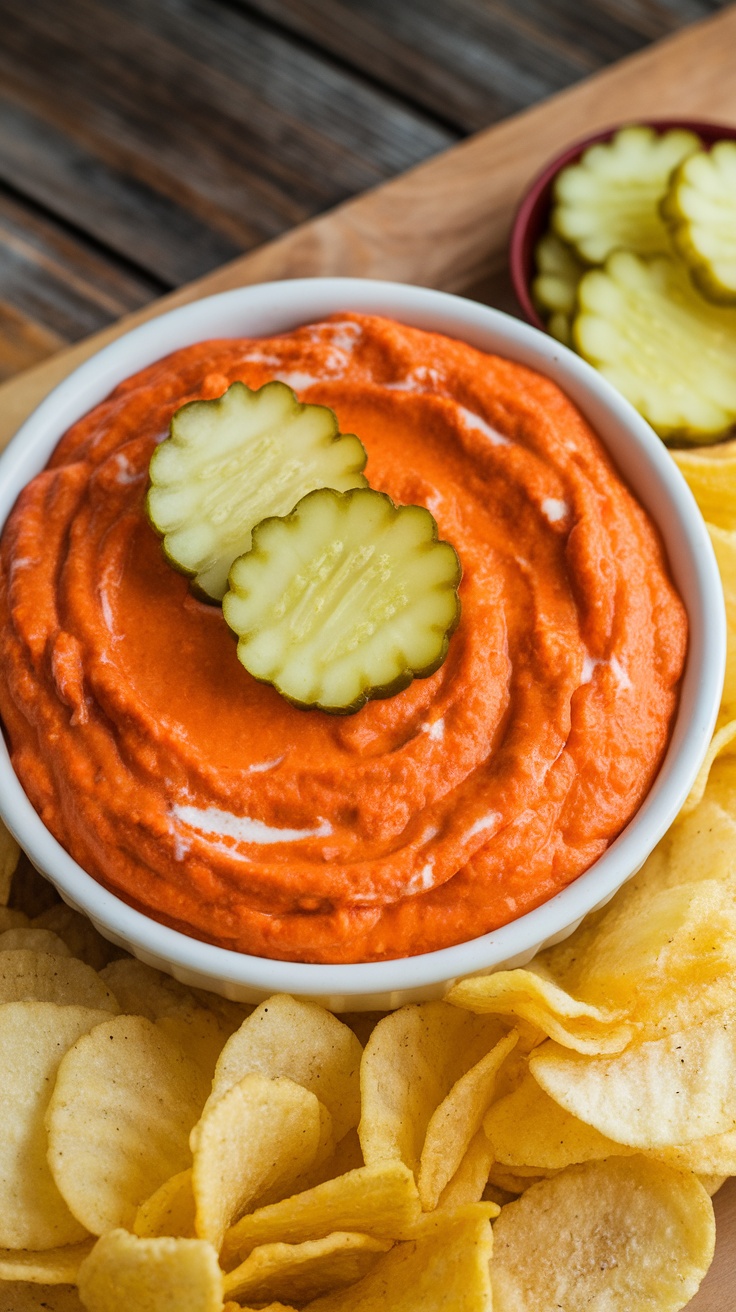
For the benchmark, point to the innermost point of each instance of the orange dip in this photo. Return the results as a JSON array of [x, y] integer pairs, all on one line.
[[205, 799]]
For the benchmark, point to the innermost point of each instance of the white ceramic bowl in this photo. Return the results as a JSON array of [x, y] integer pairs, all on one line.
[[643, 462]]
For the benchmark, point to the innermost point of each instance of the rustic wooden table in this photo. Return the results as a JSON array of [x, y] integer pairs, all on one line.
[[143, 143]]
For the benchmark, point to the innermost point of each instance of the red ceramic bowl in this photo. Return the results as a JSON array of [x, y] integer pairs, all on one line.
[[532, 216]]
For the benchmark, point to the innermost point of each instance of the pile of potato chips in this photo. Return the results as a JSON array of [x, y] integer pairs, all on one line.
[[165, 1150]]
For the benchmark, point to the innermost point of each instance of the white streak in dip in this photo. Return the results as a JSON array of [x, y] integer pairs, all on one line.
[[241, 827], [588, 670], [435, 731], [422, 881], [261, 766], [623, 682], [298, 381], [479, 425], [554, 510], [485, 822], [126, 475]]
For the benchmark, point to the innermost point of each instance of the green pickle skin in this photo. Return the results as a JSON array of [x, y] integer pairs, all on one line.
[[406, 675]]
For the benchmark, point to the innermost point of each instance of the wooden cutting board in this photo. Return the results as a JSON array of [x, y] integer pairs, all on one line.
[[445, 224]]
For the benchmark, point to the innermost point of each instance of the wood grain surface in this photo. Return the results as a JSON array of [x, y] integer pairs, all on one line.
[[156, 141], [443, 224]]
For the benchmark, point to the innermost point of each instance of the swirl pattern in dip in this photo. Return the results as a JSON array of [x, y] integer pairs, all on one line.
[[205, 799]]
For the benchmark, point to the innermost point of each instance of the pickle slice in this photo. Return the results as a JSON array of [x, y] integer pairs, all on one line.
[[610, 198], [230, 463], [347, 598], [643, 324], [555, 287], [700, 210]]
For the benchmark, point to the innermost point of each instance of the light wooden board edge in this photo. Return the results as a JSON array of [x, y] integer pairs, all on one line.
[[445, 223]]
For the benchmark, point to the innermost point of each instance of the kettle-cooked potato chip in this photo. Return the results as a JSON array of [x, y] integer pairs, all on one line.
[[303, 1042], [125, 1100], [529, 1129], [79, 934], [33, 940], [379, 1200], [468, 1183], [48, 1266], [531, 995], [26, 974], [413, 1058], [150, 1275], [304, 1271], [169, 1211], [457, 1120], [143, 991], [623, 1233], [446, 1265], [258, 1134], [33, 1039], [664, 1092]]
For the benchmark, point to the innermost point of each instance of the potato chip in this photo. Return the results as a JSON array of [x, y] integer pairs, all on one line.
[[709, 473], [529, 1129], [25, 975], [303, 1042], [721, 742], [30, 891], [17, 1297], [514, 1179], [445, 1266], [79, 934], [413, 1058], [304, 1271], [623, 1233], [258, 1134], [724, 546], [456, 1122], [713, 1155], [532, 995], [664, 1092], [712, 1183], [143, 991], [33, 1039], [150, 1275], [471, 1177], [125, 1100], [230, 1014], [169, 1211], [12, 919], [377, 1200], [33, 940], [48, 1266], [9, 857]]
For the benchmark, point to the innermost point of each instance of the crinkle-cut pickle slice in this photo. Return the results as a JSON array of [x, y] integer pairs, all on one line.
[[650, 333], [555, 287], [610, 198], [347, 598], [234, 461], [700, 211]]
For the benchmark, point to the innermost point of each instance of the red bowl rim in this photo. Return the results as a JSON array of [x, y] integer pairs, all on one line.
[[531, 217]]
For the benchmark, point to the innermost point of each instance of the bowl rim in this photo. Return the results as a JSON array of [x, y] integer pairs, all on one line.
[[535, 202], [277, 307]]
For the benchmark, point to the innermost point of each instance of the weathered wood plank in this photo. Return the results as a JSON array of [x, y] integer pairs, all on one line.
[[132, 219], [55, 288], [470, 62], [445, 224], [208, 109]]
